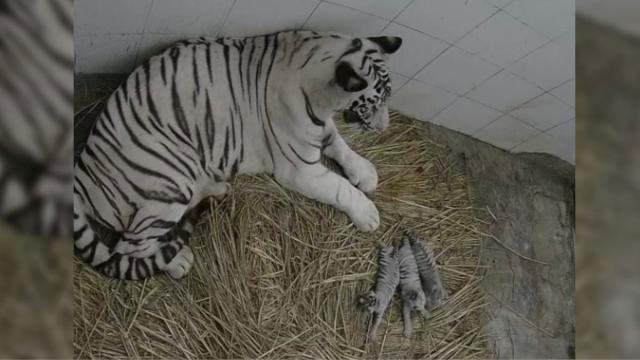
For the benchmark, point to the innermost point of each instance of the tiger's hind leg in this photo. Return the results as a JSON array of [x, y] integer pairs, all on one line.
[[168, 253], [177, 256], [148, 235], [172, 257]]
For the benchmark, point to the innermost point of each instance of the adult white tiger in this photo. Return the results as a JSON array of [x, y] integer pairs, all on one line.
[[205, 110]]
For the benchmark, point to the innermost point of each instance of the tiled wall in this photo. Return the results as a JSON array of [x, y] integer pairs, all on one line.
[[499, 70]]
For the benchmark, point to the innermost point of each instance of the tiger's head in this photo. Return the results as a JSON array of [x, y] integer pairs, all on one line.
[[368, 301], [415, 299], [363, 73]]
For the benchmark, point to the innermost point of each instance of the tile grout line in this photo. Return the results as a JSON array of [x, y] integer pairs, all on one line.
[[226, 18], [502, 69], [545, 92], [403, 9], [142, 36], [555, 139], [413, 77], [302, 27], [562, 123], [421, 32], [396, 16], [352, 8], [527, 140]]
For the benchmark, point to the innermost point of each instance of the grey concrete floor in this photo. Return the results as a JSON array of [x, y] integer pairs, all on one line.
[[527, 203]]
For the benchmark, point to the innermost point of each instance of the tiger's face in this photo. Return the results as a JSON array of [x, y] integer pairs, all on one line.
[[368, 301], [416, 300], [364, 73], [434, 297], [370, 108]]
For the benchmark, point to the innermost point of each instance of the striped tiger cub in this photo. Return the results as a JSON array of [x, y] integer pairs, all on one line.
[[378, 299], [429, 277], [413, 298], [205, 110]]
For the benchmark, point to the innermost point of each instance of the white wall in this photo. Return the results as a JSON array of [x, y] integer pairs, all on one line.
[[499, 70]]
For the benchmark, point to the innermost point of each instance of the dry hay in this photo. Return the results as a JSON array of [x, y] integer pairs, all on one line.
[[277, 275], [35, 296]]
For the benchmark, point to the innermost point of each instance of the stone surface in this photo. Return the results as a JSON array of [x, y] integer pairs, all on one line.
[[531, 312]]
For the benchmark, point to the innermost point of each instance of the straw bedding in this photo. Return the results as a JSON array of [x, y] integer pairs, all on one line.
[[278, 275]]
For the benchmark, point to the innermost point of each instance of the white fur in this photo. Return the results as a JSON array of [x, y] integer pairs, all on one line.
[[273, 132]]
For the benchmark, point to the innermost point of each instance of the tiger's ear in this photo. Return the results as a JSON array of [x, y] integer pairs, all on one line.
[[388, 44], [348, 79]]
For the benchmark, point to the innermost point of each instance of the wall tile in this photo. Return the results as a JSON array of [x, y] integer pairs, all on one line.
[[502, 40], [448, 20], [466, 116], [506, 132], [337, 18], [549, 66], [196, 17], [457, 71], [108, 53], [565, 132], [549, 17], [544, 143], [504, 92], [421, 100], [416, 51], [499, 3], [256, 17], [544, 112], [153, 44], [566, 92], [383, 8], [397, 81], [100, 17]]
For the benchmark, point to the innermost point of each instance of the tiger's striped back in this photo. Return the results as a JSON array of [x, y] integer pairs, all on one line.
[[387, 278], [429, 277], [410, 286], [378, 299]]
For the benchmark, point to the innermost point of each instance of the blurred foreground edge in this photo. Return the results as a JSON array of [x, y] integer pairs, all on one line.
[[608, 189], [36, 170]]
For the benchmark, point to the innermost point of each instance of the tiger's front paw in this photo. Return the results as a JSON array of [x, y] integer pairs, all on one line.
[[366, 217], [181, 263], [362, 174]]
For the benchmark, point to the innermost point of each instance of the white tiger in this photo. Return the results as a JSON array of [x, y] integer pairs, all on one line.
[[204, 110]]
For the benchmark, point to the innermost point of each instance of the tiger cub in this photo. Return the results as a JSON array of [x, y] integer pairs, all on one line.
[[188, 120], [378, 299], [411, 293], [429, 277]]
